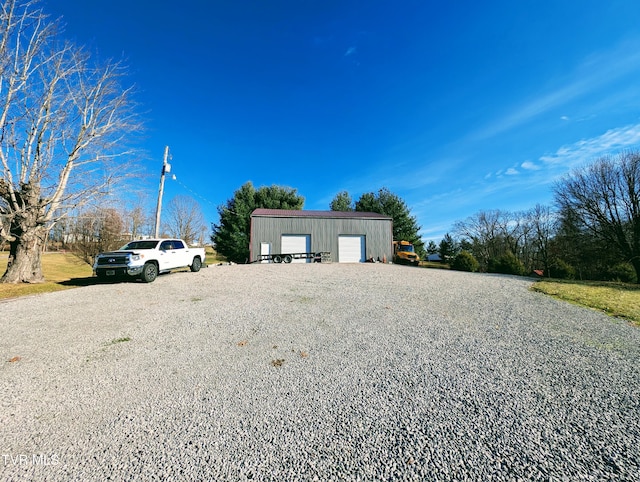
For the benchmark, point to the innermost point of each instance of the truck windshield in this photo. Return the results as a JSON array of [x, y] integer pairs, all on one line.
[[139, 245], [408, 249]]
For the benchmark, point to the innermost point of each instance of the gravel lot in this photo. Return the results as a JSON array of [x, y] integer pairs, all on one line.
[[316, 372]]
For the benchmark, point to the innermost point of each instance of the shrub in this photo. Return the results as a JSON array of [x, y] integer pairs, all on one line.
[[506, 264], [562, 270], [622, 272], [465, 261]]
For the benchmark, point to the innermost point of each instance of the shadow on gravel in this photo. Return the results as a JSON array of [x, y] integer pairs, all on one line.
[[93, 280], [88, 281]]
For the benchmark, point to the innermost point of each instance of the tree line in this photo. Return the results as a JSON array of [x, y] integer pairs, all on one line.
[[91, 231], [591, 232]]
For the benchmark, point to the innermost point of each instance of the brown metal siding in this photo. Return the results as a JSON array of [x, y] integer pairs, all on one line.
[[324, 233]]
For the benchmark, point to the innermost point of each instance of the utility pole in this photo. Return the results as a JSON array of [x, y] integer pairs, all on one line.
[[166, 167]]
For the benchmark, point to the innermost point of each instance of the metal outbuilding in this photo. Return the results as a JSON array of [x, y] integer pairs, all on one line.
[[350, 236]]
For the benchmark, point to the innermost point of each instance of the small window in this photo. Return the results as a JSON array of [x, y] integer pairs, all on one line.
[[165, 246], [177, 244]]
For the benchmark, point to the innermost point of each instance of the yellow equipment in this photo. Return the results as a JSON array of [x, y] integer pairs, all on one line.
[[404, 253]]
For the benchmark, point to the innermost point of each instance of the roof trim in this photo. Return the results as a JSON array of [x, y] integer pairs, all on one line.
[[286, 213]]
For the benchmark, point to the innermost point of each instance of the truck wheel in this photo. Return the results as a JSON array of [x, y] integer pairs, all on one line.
[[287, 258], [149, 272], [277, 259], [196, 264]]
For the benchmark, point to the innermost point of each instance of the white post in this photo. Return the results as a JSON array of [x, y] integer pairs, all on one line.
[[160, 191]]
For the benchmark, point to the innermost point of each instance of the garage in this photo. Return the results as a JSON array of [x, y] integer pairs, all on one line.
[[296, 243], [351, 248], [342, 236]]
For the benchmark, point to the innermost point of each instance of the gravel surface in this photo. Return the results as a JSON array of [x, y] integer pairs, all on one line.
[[316, 372]]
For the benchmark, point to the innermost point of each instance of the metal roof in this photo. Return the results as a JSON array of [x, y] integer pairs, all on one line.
[[286, 213]]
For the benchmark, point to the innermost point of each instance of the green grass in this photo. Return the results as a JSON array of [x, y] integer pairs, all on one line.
[[212, 257], [616, 299]]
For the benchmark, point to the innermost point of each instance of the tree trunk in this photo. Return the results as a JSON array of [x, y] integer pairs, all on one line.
[[635, 261], [25, 255]]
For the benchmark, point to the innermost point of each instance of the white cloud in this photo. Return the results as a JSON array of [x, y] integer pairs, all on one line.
[[564, 118], [585, 150], [511, 172], [530, 166], [350, 51]]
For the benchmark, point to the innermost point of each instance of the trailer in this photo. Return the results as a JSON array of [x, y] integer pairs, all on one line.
[[317, 257]]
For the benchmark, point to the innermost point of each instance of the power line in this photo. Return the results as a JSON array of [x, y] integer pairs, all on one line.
[[194, 193]]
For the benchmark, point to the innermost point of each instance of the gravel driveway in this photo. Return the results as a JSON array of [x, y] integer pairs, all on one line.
[[316, 372]]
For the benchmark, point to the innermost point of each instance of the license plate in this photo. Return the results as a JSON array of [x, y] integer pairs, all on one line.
[[111, 272]]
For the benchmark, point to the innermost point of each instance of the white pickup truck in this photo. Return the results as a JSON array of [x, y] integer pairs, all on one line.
[[146, 258]]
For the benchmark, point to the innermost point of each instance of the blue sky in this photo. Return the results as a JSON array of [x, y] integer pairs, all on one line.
[[454, 106]]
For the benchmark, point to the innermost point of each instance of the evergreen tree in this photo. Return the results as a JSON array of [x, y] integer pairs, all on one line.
[[405, 226], [342, 202], [432, 247], [448, 248], [232, 236]]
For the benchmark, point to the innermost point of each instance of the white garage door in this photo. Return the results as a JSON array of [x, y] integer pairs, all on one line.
[[296, 243], [351, 249]]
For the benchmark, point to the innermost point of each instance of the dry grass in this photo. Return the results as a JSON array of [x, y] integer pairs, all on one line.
[[57, 268], [616, 299], [212, 257], [434, 265]]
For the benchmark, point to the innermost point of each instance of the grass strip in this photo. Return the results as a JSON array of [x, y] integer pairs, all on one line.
[[621, 300]]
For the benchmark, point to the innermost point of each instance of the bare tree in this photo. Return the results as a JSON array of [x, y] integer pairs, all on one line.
[[543, 227], [97, 231], [137, 222], [487, 232], [496, 234], [185, 219], [605, 199], [63, 123], [61, 233]]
